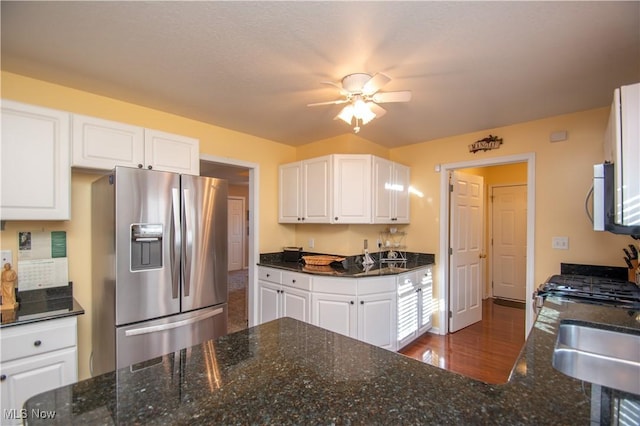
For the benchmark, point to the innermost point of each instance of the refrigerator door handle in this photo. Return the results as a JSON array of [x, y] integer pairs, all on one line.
[[176, 243], [188, 237], [172, 325]]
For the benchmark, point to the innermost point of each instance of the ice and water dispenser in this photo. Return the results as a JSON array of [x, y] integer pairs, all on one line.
[[146, 246]]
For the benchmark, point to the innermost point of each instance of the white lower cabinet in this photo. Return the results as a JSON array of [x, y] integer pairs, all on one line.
[[283, 294], [35, 358], [364, 309], [389, 311], [415, 299]]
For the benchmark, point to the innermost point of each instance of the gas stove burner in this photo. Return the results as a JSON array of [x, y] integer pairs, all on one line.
[[599, 290]]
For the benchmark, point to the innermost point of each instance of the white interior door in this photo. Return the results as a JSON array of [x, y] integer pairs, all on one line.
[[235, 232], [509, 236], [465, 278]]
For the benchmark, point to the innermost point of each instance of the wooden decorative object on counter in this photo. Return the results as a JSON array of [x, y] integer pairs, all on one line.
[[9, 277]]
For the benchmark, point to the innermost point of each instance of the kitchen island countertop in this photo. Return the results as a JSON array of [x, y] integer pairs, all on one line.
[[290, 372]]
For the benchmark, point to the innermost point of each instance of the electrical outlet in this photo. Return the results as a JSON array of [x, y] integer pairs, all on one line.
[[312, 243], [560, 243], [7, 257]]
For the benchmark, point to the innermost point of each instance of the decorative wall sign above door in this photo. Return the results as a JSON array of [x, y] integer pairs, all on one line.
[[486, 144]]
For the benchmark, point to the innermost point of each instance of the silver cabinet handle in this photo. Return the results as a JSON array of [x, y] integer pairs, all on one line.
[[172, 325]]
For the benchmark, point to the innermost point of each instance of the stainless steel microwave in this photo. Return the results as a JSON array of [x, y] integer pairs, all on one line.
[[604, 202]]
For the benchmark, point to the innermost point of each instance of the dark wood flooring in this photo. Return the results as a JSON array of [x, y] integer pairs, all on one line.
[[485, 351]]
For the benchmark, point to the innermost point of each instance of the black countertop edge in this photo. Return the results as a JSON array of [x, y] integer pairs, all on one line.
[[352, 266], [290, 372], [42, 305]]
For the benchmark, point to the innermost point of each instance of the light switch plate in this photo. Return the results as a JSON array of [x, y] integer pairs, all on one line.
[[7, 257], [560, 243]]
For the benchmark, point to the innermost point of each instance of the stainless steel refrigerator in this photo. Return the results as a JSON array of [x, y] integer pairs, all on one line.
[[159, 265]]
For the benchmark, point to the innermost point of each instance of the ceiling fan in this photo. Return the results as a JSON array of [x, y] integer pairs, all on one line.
[[361, 94]]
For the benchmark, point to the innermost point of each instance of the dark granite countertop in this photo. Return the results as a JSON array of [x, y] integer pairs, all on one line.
[[42, 305], [352, 266], [290, 372]]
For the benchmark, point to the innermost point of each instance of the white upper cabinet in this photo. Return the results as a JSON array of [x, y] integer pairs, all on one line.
[[34, 158], [171, 153], [344, 189], [103, 144], [304, 195], [351, 188], [390, 191]]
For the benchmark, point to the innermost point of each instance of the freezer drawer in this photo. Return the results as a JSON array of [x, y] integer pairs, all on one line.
[[150, 339]]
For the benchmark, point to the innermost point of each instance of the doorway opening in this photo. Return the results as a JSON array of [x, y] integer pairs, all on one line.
[[242, 234], [445, 296]]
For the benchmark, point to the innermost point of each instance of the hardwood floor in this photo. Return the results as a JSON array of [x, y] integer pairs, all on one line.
[[485, 351]]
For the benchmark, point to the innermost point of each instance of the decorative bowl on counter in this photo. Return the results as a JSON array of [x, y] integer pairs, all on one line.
[[321, 259]]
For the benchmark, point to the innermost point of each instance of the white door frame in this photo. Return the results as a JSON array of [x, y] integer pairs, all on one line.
[[254, 226], [443, 270], [244, 228]]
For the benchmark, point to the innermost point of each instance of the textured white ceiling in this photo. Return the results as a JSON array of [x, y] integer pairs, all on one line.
[[254, 66]]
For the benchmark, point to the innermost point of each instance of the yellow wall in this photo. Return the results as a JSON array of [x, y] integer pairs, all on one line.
[[563, 173], [563, 177], [213, 140]]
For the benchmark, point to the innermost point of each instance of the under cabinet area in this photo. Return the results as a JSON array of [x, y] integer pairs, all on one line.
[[36, 358], [103, 144], [344, 189], [34, 163]]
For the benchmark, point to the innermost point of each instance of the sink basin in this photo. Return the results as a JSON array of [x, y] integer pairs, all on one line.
[[382, 271], [604, 357]]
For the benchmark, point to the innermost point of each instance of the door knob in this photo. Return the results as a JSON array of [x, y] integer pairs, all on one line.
[[482, 256]]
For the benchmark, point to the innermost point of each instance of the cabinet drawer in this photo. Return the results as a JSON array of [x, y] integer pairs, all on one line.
[[345, 286], [292, 279], [269, 274], [34, 339], [375, 285]]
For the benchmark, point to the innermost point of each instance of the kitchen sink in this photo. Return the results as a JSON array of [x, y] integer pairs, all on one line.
[[382, 271], [603, 357]]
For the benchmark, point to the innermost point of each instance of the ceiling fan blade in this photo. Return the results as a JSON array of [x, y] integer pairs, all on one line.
[[336, 85], [376, 109], [375, 83], [401, 96], [338, 102]]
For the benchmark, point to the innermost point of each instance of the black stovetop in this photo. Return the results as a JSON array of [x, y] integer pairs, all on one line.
[[594, 289]]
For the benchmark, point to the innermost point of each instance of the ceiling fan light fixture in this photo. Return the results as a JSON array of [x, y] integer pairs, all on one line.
[[346, 114]]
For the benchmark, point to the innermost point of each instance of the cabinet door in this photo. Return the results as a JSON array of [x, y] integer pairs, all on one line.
[[102, 144], [425, 299], [171, 153], [296, 304], [269, 301], [316, 190], [290, 193], [407, 309], [377, 319], [352, 189], [26, 377], [401, 201], [336, 313], [382, 190], [34, 160]]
